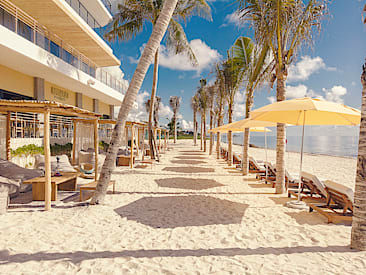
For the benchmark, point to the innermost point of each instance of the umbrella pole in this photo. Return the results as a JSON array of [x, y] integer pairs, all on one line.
[[301, 155], [265, 147]]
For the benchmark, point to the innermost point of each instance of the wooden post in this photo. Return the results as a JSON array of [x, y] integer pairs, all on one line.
[[96, 149], [47, 160], [165, 140], [73, 142], [132, 139], [138, 141], [143, 143], [159, 139], [8, 136]]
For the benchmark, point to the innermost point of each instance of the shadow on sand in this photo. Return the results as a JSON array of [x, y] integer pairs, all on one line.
[[188, 183], [79, 256], [192, 162], [181, 211], [189, 157], [189, 169]]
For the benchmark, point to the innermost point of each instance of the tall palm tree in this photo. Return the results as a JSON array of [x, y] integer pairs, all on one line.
[[358, 236], [211, 91], [252, 60], [194, 106], [156, 109], [220, 103], [233, 76], [146, 58], [203, 106], [284, 25], [130, 19], [174, 102]]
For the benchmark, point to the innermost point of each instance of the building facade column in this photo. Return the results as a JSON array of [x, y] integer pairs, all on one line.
[[111, 112], [38, 89], [95, 105], [79, 100]]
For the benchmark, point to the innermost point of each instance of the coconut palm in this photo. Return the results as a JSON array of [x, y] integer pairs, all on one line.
[[252, 60], [146, 58], [194, 106], [220, 103], [203, 106], [157, 102], [284, 25], [358, 236], [174, 102], [211, 91], [130, 19]]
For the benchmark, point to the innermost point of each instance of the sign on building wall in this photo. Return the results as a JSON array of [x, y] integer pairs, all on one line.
[[59, 94]]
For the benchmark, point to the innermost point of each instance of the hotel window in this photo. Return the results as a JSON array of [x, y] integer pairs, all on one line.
[[25, 31], [85, 67], [7, 20], [66, 56], [54, 49]]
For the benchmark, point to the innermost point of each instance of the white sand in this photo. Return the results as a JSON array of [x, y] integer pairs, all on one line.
[[219, 223]]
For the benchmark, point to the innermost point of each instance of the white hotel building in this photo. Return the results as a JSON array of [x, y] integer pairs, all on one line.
[[51, 50]]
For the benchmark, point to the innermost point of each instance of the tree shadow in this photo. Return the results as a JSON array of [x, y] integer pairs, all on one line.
[[280, 200], [188, 161], [259, 185], [78, 257], [191, 151], [189, 169], [304, 217], [188, 183], [182, 211], [190, 157]]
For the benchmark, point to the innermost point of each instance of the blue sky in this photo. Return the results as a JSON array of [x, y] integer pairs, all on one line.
[[330, 70]]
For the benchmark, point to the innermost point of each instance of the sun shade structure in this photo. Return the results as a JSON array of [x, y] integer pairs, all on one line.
[[307, 111], [46, 108], [239, 126]]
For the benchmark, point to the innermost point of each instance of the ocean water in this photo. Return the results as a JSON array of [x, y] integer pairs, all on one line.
[[344, 146]]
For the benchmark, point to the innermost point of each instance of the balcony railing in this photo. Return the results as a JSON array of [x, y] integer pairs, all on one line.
[[108, 5], [24, 25], [84, 13]]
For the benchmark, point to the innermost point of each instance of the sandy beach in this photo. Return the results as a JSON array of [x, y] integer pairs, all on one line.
[[189, 214]]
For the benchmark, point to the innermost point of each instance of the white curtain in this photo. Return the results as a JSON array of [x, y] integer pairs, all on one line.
[[84, 137]]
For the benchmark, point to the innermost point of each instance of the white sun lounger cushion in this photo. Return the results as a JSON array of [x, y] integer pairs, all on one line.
[[316, 181], [260, 167], [340, 188]]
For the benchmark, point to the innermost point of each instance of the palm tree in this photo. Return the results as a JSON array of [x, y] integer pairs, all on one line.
[[211, 90], [233, 77], [194, 106], [138, 77], [220, 103], [284, 25], [174, 102], [203, 105], [358, 236], [252, 60], [156, 109], [131, 18]]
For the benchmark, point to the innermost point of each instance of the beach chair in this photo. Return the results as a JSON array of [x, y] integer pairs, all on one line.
[[290, 181], [339, 203], [236, 158], [311, 187], [255, 167]]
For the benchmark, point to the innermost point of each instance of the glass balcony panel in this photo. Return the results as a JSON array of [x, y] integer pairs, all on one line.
[[8, 21], [25, 31], [55, 49]]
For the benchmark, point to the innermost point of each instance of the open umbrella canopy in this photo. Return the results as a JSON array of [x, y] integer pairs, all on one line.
[[260, 129], [308, 111], [239, 126]]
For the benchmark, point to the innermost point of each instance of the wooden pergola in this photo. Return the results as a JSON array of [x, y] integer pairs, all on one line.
[[46, 108]]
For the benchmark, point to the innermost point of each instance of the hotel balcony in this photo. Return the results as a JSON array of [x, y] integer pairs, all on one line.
[[29, 47]]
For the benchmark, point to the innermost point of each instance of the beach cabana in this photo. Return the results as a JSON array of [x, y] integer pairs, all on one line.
[[45, 108], [307, 111]]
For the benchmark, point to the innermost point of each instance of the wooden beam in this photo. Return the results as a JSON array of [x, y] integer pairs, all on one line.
[[96, 149], [8, 136], [132, 139], [73, 143], [47, 160]]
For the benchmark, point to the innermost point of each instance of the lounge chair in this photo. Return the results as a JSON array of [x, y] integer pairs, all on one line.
[[255, 167], [290, 181], [311, 187], [339, 203], [236, 158]]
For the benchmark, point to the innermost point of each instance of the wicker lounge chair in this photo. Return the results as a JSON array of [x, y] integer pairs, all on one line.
[[339, 203]]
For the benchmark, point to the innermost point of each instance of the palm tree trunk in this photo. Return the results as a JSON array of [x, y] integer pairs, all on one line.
[[195, 128], [204, 133], [358, 235], [281, 139], [219, 122], [230, 136], [245, 158], [201, 134], [175, 128], [152, 104], [129, 99], [211, 134]]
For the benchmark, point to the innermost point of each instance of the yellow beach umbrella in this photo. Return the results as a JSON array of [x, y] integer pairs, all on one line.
[[239, 126], [307, 111]]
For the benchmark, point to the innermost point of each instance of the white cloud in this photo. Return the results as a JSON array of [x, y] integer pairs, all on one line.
[[296, 91], [187, 125], [165, 111], [239, 111], [306, 67], [335, 93], [233, 18], [139, 114], [271, 99], [204, 54]]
